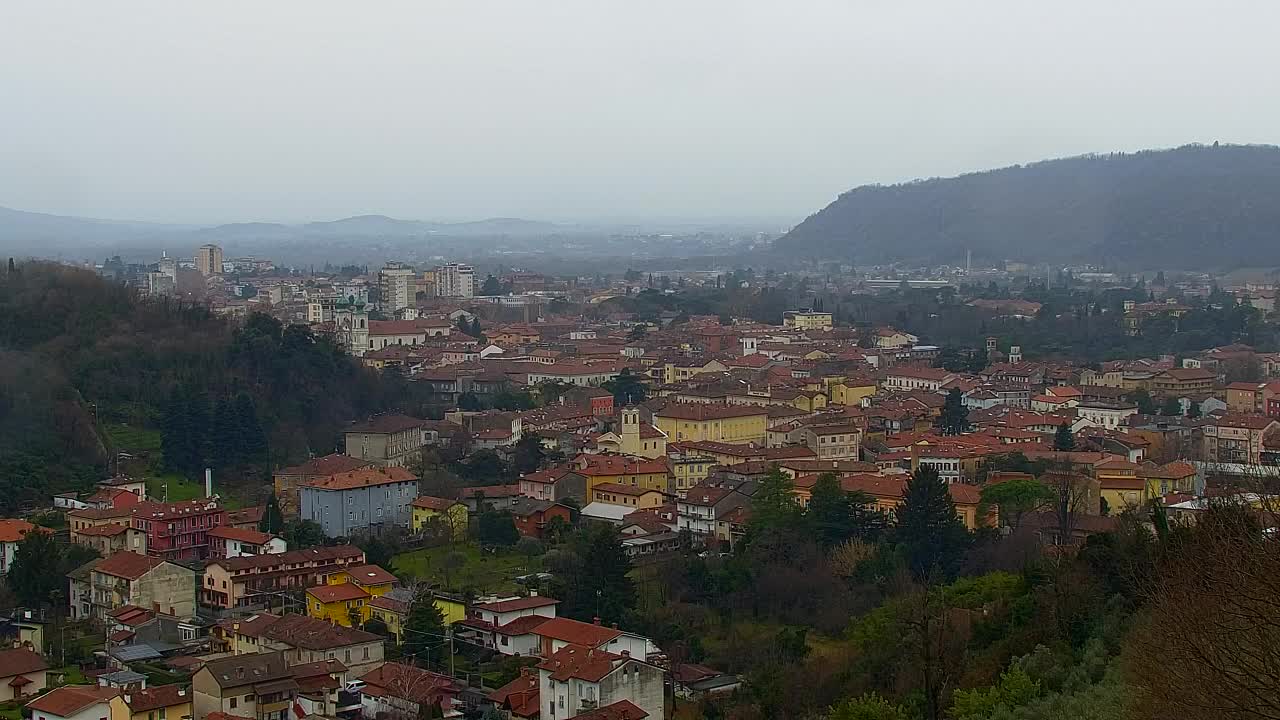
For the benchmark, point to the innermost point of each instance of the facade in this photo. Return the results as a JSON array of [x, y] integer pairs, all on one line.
[[394, 690], [578, 679], [131, 579], [623, 470], [1103, 415], [634, 437], [159, 702], [360, 501], [22, 672], [455, 280], [531, 516], [256, 686], [253, 579], [304, 640], [807, 320], [229, 542], [451, 513], [288, 479], [387, 440], [209, 260], [737, 424], [396, 286], [832, 442], [351, 325], [1237, 438], [179, 531], [635, 498]]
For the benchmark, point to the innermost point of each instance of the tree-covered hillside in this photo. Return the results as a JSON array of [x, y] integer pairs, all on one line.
[[80, 354], [1192, 207]]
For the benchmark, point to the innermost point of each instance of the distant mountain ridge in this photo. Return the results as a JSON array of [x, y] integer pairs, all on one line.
[[1191, 207]]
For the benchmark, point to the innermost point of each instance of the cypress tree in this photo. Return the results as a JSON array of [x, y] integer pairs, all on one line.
[[933, 538]]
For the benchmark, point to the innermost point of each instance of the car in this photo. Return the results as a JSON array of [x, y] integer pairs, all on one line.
[[354, 686]]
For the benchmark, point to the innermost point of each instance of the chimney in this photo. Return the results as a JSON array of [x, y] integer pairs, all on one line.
[[182, 692], [533, 593], [595, 620], [626, 653], [208, 482], [613, 625], [128, 698]]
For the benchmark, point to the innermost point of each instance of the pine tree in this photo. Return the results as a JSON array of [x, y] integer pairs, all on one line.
[[1063, 440], [830, 514], [928, 530], [272, 519], [424, 627], [225, 435], [955, 416], [251, 441], [773, 506]]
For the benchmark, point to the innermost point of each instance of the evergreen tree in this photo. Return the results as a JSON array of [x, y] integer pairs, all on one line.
[[955, 416], [272, 519], [592, 577], [424, 631], [830, 514], [773, 506], [251, 441], [930, 534], [476, 330], [1063, 439], [491, 286], [1171, 407], [226, 435], [34, 576]]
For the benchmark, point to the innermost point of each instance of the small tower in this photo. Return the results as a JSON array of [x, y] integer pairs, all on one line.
[[630, 423], [1015, 354], [351, 325], [991, 346]]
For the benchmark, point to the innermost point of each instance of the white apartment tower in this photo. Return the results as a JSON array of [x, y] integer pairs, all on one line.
[[209, 260], [455, 280], [395, 282]]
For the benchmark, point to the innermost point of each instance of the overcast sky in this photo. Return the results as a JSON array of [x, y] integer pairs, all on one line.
[[586, 109]]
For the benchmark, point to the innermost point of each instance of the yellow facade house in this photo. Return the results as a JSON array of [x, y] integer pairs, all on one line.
[[694, 422], [393, 609], [344, 598], [451, 512], [637, 472], [807, 320]]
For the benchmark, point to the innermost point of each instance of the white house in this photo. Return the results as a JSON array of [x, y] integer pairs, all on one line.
[[578, 679], [79, 702]]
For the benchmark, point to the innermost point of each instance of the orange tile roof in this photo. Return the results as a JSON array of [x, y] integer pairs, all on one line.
[[575, 632], [128, 565], [363, 477], [13, 530], [337, 593], [370, 575], [71, 699]]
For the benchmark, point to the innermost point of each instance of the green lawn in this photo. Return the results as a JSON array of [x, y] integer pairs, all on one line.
[[133, 439], [180, 488], [483, 571]]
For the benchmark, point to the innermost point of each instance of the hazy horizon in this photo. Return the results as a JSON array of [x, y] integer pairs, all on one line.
[[579, 111]]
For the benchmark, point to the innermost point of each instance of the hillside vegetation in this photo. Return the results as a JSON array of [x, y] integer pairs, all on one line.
[[80, 354], [1191, 207]]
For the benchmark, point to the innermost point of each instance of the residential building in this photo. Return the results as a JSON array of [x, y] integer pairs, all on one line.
[[387, 440], [1237, 438], [159, 702], [22, 673], [807, 319], [532, 516], [80, 702], [443, 514], [11, 533], [1182, 381], [346, 593], [288, 479], [578, 679], [908, 377], [395, 283], [179, 530], [229, 542], [1103, 415], [455, 280], [634, 498], [360, 501], [623, 470], [832, 442], [255, 579], [209, 260], [704, 506], [304, 639], [735, 424], [555, 484], [127, 578], [258, 686], [518, 698], [395, 690]]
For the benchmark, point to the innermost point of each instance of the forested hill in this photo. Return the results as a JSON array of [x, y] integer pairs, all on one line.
[[79, 354], [1192, 207]]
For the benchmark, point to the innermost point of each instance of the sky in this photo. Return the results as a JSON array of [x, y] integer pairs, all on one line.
[[292, 110]]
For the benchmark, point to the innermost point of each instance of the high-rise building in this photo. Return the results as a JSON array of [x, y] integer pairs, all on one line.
[[395, 282], [209, 260], [455, 280]]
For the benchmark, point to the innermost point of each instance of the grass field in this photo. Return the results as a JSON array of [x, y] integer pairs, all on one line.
[[483, 571], [132, 439]]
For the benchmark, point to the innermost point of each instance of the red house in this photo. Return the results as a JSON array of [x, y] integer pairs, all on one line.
[[531, 516], [180, 530]]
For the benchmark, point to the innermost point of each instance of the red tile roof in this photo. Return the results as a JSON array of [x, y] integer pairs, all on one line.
[[19, 661], [252, 537], [156, 697], [385, 424], [363, 477], [337, 593], [427, 502], [71, 699], [575, 632], [12, 530], [524, 603], [369, 575], [578, 662], [128, 565], [621, 710], [520, 696], [327, 465]]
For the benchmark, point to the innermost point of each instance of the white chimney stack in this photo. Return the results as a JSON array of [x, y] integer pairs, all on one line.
[[208, 482]]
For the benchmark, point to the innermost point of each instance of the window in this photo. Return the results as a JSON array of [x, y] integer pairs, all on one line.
[[162, 714], [346, 656], [234, 702], [366, 652]]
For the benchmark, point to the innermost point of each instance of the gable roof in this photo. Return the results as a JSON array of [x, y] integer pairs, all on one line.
[[621, 710], [128, 565], [337, 593], [515, 604], [327, 465], [427, 502], [575, 632], [19, 661], [312, 634], [385, 424], [362, 477], [579, 662], [369, 575], [157, 696], [71, 699]]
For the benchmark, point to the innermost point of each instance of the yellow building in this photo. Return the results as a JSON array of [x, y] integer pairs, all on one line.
[[686, 422], [451, 512], [673, 372], [645, 473], [807, 320], [632, 497], [346, 594], [1119, 485], [851, 391], [687, 471]]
